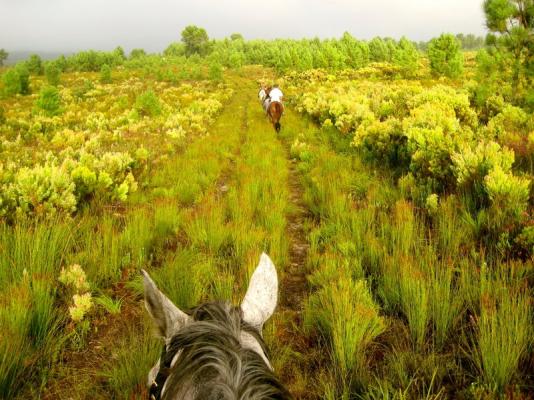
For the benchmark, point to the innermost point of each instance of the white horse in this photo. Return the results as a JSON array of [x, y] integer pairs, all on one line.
[[262, 94], [216, 351]]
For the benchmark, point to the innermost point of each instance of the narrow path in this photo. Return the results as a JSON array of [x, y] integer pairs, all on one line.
[[294, 290], [294, 284], [293, 356], [298, 374]]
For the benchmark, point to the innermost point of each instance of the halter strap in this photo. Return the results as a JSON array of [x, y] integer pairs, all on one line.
[[164, 370]]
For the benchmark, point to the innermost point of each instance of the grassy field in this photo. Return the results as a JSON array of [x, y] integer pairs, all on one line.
[[393, 284]]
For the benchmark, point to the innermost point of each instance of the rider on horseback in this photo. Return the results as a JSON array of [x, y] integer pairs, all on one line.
[[274, 94]]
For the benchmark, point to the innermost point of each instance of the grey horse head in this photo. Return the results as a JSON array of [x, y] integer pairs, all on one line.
[[216, 350]]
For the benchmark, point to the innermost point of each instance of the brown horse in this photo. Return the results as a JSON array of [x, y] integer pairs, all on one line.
[[275, 113]]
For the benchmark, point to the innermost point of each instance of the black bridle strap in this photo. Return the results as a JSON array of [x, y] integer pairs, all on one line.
[[157, 385]]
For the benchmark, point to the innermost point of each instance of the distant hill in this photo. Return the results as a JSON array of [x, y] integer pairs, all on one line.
[[16, 56]]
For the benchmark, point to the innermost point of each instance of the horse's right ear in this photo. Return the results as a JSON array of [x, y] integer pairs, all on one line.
[[168, 318], [262, 294]]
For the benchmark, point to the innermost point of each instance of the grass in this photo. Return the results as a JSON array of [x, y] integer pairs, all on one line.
[[30, 323], [503, 337], [184, 278], [345, 313], [127, 370], [446, 303], [109, 304], [425, 273], [394, 291]]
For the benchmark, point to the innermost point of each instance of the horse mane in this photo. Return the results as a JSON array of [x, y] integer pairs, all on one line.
[[212, 364]]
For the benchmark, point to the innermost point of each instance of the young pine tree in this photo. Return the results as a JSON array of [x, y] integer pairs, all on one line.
[[510, 52], [406, 56], [215, 71], [11, 81], [445, 56], [53, 73], [105, 74], [49, 101], [24, 77], [35, 65]]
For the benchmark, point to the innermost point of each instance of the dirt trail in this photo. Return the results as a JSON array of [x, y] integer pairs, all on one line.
[[294, 355], [294, 283], [298, 372]]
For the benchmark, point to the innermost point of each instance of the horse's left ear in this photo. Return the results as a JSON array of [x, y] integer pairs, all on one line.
[[168, 318], [262, 294]]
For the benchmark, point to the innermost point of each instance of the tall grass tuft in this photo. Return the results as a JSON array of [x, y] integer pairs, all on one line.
[[345, 313], [185, 278], [415, 304], [14, 346], [30, 258], [126, 371], [446, 304], [99, 249], [137, 238], [206, 228], [504, 334]]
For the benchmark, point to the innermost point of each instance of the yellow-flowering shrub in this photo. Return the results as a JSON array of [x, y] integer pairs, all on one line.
[[74, 276], [82, 304], [98, 146]]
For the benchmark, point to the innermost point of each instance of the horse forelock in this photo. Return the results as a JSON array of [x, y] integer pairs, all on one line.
[[208, 359]]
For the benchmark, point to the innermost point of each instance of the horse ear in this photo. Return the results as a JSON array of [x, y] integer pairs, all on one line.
[[262, 294], [167, 317]]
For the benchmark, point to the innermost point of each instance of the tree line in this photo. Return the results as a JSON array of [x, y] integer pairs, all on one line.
[[505, 65]]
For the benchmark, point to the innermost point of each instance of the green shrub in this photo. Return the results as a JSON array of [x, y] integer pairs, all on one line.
[[471, 165], [445, 56], [137, 53], [525, 240], [44, 189], [383, 141], [35, 65], [49, 101], [508, 195], [105, 74], [53, 74], [16, 80], [11, 80], [24, 77], [215, 71], [432, 203], [85, 180], [147, 104], [80, 91], [406, 56]]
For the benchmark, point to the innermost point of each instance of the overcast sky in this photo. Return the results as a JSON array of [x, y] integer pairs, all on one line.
[[67, 25]]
